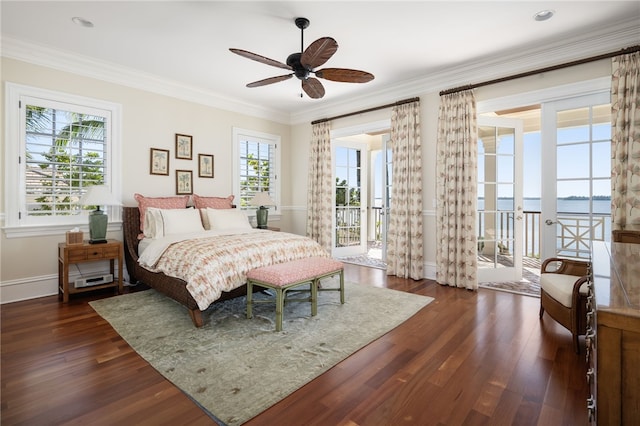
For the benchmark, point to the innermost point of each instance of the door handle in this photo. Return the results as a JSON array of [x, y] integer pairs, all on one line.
[[549, 222]]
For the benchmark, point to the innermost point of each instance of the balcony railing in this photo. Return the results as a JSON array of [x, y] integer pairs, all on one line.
[[574, 234], [348, 222], [348, 226]]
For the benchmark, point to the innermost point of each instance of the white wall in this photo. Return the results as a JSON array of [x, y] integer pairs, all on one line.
[[28, 266]]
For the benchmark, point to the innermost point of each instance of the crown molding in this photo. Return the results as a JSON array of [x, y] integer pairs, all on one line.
[[101, 70]]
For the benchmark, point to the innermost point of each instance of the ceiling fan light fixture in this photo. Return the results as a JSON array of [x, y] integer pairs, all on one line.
[[544, 15], [299, 70]]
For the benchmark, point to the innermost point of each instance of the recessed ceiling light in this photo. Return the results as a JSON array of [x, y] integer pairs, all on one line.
[[82, 22], [543, 15]]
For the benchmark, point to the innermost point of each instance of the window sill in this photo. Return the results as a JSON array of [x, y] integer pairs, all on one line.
[[45, 230]]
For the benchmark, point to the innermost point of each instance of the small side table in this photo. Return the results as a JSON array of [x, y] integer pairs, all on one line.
[[70, 254]]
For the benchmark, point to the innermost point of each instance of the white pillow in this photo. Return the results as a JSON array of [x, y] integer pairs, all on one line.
[[181, 221], [153, 227], [227, 219]]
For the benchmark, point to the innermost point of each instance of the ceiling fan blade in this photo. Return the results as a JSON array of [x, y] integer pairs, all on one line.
[[344, 75], [313, 88], [260, 58], [270, 80], [318, 52]]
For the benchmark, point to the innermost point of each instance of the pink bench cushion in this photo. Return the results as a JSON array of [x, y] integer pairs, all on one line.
[[283, 274]]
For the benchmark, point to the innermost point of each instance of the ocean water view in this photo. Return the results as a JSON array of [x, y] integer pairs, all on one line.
[[601, 205]]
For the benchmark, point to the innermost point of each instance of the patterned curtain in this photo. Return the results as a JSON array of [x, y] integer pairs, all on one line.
[[319, 202], [404, 237], [625, 142], [456, 191]]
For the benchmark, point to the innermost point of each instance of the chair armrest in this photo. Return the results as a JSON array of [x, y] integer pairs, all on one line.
[[565, 266], [575, 293]]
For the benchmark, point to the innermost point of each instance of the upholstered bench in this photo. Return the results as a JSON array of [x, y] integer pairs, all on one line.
[[282, 277]]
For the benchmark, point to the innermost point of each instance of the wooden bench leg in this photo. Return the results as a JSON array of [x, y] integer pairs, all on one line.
[[314, 297], [340, 289], [249, 299], [279, 308], [342, 286]]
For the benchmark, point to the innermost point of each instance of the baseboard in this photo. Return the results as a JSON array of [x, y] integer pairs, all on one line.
[[429, 271], [28, 288], [40, 286]]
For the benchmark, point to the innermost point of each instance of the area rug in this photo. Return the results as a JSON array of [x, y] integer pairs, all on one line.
[[518, 287], [364, 260], [235, 367], [529, 286]]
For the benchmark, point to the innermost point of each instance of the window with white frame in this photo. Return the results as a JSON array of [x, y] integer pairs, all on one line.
[[57, 146], [256, 167]]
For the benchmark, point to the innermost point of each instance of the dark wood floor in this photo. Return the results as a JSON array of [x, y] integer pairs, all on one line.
[[472, 358]]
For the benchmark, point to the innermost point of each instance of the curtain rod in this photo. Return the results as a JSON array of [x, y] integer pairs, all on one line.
[[625, 51], [406, 101]]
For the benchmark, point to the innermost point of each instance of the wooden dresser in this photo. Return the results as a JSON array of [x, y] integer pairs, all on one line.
[[613, 334]]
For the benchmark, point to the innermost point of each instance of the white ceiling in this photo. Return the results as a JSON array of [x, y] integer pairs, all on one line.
[[405, 44]]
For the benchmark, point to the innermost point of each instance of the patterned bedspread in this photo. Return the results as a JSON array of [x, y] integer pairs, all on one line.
[[214, 264]]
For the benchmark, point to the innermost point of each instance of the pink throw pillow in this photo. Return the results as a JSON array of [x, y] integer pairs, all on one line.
[[213, 202], [159, 202]]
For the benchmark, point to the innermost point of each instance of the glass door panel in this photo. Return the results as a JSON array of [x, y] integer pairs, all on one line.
[[577, 202], [350, 222], [387, 165], [499, 222]]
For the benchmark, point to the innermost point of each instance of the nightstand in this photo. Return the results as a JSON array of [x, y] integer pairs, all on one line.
[[71, 254]]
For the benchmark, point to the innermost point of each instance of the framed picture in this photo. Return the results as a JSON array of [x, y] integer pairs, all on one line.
[[183, 146], [184, 182], [159, 162], [205, 165]]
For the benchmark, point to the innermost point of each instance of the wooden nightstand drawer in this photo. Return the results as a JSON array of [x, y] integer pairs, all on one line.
[[77, 254], [110, 251], [95, 253]]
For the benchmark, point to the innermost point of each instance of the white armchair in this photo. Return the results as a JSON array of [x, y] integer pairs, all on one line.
[[563, 294]]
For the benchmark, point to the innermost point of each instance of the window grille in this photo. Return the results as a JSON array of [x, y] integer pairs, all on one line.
[[257, 168], [65, 153]]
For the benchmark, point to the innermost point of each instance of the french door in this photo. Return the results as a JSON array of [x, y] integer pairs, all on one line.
[[386, 165], [350, 198], [500, 211], [576, 178]]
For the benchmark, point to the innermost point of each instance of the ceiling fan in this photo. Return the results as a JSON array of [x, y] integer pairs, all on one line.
[[303, 64]]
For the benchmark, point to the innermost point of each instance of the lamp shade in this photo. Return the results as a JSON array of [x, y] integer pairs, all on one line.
[[262, 199], [99, 195]]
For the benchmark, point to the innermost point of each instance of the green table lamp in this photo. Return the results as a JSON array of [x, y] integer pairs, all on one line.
[[262, 199], [98, 195]]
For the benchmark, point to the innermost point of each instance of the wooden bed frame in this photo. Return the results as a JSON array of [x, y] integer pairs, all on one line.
[[175, 288]]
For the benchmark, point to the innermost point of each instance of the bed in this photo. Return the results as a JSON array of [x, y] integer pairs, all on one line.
[[229, 276]]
